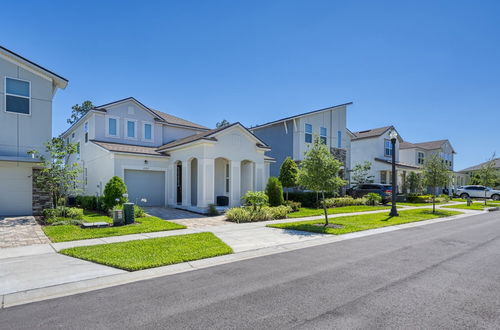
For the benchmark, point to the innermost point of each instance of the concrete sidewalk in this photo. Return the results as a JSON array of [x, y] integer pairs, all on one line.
[[43, 274]]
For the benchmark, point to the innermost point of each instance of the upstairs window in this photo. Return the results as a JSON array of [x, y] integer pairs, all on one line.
[[17, 96], [78, 151], [339, 139], [86, 130], [112, 126], [420, 158], [387, 148], [308, 133], [323, 135], [147, 131], [131, 129]]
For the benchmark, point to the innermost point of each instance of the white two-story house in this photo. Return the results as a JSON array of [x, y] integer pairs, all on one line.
[[292, 136], [374, 145], [166, 160], [26, 93]]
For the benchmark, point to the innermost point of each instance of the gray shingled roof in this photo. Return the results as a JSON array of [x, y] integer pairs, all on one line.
[[431, 145], [176, 120], [477, 167], [128, 148], [369, 133]]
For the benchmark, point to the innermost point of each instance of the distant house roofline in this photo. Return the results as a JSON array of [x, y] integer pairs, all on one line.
[[299, 115]]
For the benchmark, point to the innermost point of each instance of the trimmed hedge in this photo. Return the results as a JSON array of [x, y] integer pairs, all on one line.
[[344, 201], [91, 203], [248, 214], [308, 198]]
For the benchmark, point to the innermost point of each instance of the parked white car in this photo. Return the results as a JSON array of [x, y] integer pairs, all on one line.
[[478, 192]]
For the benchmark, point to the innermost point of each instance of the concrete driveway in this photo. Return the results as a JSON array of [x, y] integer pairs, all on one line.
[[186, 218]]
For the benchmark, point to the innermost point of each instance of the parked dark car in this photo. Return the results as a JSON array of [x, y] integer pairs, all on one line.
[[384, 190]]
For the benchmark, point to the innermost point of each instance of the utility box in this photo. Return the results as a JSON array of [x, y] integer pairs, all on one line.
[[118, 219], [128, 213]]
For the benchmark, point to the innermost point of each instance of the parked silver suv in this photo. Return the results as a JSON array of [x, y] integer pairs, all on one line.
[[478, 192]]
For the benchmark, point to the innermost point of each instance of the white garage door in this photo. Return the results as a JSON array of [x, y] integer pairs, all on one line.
[[146, 184], [16, 190]]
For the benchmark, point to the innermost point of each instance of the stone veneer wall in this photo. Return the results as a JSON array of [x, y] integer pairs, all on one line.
[[41, 199]]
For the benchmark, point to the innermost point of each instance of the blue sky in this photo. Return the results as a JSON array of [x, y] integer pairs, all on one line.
[[429, 67]]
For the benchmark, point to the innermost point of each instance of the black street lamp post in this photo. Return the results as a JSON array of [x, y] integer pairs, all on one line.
[[394, 211]]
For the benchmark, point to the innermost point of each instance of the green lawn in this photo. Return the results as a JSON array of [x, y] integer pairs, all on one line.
[[310, 212], [474, 206], [360, 222], [153, 252], [66, 233], [415, 204]]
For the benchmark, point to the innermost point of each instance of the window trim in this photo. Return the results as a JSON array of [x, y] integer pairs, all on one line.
[[385, 148], [418, 158], [325, 136], [144, 123], [306, 133], [227, 178], [5, 94], [125, 130], [86, 132], [339, 139], [107, 117]]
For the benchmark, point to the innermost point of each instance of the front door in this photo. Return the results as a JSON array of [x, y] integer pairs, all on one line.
[[179, 183]]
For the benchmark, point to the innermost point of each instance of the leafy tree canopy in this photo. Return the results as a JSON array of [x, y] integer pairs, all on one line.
[[78, 111], [361, 173]]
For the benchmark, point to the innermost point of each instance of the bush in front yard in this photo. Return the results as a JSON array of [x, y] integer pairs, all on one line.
[[62, 212], [308, 198], [373, 199], [247, 214], [91, 203], [114, 191], [415, 198], [274, 191], [344, 201], [294, 206], [442, 199], [255, 199]]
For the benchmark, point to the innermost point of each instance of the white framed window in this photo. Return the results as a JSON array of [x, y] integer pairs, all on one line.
[[308, 136], [387, 148], [420, 158], [78, 155], [147, 131], [85, 176], [86, 131], [227, 178], [17, 96], [323, 135], [112, 126], [339, 139], [131, 129]]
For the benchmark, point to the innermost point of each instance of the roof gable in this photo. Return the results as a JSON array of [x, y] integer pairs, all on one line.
[[373, 133], [430, 145]]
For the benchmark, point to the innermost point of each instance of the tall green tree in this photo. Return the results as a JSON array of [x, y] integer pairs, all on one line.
[[114, 191], [274, 190], [436, 174], [319, 172], [222, 123], [361, 173], [78, 111], [488, 175], [289, 174], [414, 181], [57, 177]]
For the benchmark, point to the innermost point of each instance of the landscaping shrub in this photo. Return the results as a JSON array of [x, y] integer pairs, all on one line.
[[274, 191], [114, 191], [212, 210], [442, 199], [58, 222], [255, 199], [91, 203], [373, 199], [248, 214], [415, 198], [308, 198], [294, 206], [49, 214], [344, 201], [62, 212]]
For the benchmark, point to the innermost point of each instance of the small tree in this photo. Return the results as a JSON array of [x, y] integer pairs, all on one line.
[[222, 123], [361, 173], [414, 182], [255, 199], [289, 174], [114, 191], [435, 174], [319, 172], [274, 191], [57, 177], [78, 111], [488, 175]]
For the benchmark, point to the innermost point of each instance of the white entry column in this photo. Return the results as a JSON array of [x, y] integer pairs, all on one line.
[[235, 180], [186, 183], [206, 173]]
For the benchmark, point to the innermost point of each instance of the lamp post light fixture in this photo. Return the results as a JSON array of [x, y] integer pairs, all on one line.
[[394, 136]]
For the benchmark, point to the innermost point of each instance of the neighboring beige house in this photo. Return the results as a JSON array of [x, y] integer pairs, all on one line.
[[467, 172], [26, 93], [166, 160], [374, 145]]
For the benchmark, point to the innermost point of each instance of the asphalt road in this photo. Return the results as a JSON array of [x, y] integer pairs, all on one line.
[[445, 276]]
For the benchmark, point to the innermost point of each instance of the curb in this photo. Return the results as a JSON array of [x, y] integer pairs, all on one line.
[[67, 289]]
